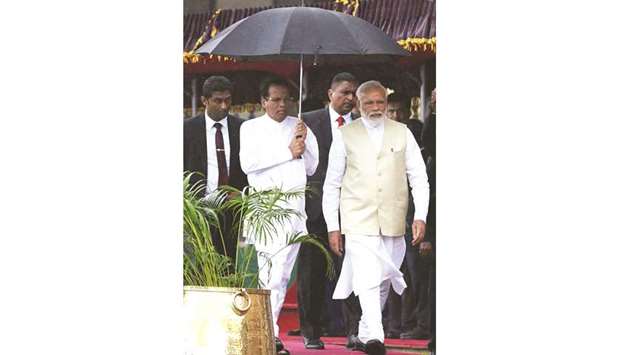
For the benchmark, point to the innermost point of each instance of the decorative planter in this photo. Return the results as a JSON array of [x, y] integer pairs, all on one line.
[[227, 321]]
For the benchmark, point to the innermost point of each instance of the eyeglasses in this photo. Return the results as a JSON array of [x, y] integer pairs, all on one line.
[[278, 100]]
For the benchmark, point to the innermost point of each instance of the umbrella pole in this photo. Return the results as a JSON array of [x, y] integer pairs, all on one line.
[[301, 75], [301, 81]]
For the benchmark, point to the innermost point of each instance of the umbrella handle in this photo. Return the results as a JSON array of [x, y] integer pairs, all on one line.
[[301, 83]]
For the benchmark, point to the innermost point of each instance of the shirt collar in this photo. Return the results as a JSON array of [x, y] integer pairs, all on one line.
[[333, 115], [210, 122], [271, 121]]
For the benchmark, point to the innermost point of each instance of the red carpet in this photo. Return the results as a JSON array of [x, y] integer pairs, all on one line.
[[290, 320]]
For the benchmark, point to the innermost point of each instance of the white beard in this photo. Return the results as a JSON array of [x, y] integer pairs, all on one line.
[[375, 121]]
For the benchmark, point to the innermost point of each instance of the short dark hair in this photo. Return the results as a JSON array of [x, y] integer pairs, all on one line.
[[396, 97], [216, 83], [271, 81], [344, 76]]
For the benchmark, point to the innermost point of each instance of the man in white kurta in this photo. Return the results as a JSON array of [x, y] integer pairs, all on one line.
[[370, 161], [278, 151]]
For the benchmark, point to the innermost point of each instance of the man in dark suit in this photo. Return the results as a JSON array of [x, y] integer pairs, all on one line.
[[407, 315], [418, 310], [398, 110], [211, 148], [428, 140], [313, 288]]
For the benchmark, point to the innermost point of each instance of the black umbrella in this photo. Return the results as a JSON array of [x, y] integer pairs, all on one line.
[[305, 33]]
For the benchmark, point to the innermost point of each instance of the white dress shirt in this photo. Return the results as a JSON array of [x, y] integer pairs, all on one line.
[[268, 162], [415, 168], [333, 118], [213, 172]]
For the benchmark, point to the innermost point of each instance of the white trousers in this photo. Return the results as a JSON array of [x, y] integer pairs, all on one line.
[[275, 269], [371, 265]]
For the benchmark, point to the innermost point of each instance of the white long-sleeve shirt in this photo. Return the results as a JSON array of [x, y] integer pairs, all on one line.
[[333, 118], [212, 168], [415, 169], [268, 162]]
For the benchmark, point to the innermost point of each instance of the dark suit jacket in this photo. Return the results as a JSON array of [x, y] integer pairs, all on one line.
[[195, 150], [319, 122], [416, 126]]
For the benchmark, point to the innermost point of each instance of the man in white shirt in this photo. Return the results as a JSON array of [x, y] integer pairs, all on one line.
[[370, 161], [211, 148], [278, 151]]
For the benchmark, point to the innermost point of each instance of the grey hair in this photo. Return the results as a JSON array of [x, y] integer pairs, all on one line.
[[371, 85]]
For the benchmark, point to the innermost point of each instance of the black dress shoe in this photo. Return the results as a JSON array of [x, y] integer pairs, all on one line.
[[279, 345], [280, 348], [392, 335], [350, 341], [375, 347], [313, 344], [354, 343]]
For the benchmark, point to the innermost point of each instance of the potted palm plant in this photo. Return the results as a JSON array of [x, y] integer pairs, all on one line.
[[226, 310]]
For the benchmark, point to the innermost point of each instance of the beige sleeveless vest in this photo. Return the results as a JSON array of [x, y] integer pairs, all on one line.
[[374, 193]]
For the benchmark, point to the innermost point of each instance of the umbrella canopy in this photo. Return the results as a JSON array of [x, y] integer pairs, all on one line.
[[287, 33]]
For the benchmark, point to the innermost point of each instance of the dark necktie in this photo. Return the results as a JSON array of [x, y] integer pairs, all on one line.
[[340, 121], [221, 156]]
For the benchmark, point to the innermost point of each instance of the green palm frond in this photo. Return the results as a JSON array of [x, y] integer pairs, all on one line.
[[262, 212], [316, 242], [294, 238]]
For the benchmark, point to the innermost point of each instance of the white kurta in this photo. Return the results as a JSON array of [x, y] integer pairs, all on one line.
[[416, 173], [268, 163], [266, 159]]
